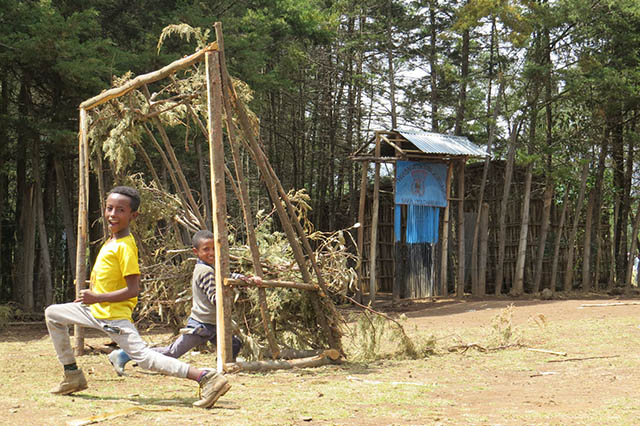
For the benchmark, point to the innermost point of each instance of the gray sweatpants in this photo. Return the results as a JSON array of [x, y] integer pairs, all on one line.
[[60, 317]]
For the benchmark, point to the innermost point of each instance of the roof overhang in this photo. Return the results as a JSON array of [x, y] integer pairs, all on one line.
[[398, 145]]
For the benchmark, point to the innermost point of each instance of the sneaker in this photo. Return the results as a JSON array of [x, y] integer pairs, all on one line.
[[119, 359], [73, 381], [212, 387]]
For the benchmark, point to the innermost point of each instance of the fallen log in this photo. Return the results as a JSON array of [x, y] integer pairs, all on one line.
[[328, 356]]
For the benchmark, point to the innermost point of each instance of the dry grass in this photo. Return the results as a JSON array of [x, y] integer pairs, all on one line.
[[508, 387]]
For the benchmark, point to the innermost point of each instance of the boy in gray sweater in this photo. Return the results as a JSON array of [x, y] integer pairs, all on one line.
[[201, 325]]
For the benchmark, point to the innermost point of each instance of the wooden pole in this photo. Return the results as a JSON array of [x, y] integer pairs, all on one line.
[[219, 208], [445, 236], [632, 251], [83, 221], [483, 244], [243, 198], [460, 226], [363, 199], [271, 283], [270, 183], [374, 228], [328, 356]]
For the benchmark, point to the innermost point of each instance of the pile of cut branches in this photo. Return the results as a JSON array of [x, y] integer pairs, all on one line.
[[167, 263]]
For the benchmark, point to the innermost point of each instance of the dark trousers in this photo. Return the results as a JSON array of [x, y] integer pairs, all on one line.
[[197, 334]]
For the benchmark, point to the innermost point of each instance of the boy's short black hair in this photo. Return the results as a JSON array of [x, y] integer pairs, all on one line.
[[198, 237], [132, 193]]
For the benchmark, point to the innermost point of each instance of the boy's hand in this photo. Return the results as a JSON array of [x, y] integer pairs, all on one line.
[[87, 297]]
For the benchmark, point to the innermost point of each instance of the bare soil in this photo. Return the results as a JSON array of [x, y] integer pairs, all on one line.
[[596, 382]]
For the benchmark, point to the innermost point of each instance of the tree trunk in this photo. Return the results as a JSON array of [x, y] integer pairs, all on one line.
[[433, 66], [475, 274], [597, 210], [391, 71], [556, 246], [617, 154], [482, 258], [67, 214], [632, 251], [28, 228], [518, 285], [568, 276], [44, 277], [549, 184], [4, 190], [544, 231], [611, 282], [502, 220], [464, 76], [22, 289], [586, 252]]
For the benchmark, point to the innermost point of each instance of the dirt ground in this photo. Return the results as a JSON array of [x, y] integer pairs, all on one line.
[[587, 376]]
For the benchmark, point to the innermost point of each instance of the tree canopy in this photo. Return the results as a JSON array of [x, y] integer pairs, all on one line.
[[557, 81]]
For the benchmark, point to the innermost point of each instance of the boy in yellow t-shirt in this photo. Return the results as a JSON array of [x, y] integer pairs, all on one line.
[[108, 304]]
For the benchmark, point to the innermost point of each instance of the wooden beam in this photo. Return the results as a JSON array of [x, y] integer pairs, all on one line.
[[148, 78], [219, 208], [83, 220], [271, 283], [374, 159], [396, 147]]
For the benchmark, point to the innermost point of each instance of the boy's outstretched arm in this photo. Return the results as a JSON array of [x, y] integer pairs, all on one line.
[[89, 297]]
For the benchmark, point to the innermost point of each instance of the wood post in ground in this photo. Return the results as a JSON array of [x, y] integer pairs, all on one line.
[[374, 227], [483, 246], [256, 152], [219, 207], [83, 221], [444, 259], [460, 226], [363, 199], [248, 221]]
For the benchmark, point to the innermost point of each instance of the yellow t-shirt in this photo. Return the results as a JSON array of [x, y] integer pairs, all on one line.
[[116, 260]]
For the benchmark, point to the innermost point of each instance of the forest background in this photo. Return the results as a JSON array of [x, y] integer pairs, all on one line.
[[551, 85]]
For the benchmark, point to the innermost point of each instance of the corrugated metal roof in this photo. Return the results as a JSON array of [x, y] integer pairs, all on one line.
[[436, 143]]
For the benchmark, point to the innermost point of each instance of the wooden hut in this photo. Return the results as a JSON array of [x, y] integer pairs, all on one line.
[[423, 165]]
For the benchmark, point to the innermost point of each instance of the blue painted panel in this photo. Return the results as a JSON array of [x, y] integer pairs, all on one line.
[[421, 184], [422, 224]]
